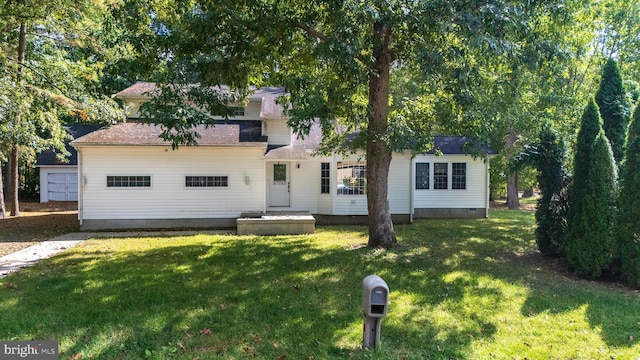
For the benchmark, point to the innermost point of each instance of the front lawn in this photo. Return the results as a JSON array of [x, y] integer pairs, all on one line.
[[459, 289]]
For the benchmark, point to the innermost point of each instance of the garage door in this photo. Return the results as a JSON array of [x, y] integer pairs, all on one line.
[[63, 187]]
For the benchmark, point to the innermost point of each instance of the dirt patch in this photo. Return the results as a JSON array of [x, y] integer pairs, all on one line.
[[502, 205], [37, 222]]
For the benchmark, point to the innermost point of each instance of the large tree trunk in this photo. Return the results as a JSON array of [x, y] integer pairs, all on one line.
[[381, 233], [3, 209], [14, 183], [513, 201]]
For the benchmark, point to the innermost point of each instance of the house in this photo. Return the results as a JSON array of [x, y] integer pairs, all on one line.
[[59, 178], [130, 178]]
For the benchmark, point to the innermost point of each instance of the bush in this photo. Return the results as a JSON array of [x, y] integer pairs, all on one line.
[[590, 126], [629, 206], [552, 179], [590, 251], [614, 108]]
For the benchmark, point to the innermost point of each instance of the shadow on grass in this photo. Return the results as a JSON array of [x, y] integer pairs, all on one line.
[[486, 248], [270, 297]]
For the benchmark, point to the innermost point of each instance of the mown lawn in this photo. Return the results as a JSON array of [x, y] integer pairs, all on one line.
[[460, 289]]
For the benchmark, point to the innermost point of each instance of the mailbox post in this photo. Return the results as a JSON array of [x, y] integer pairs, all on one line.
[[375, 299]]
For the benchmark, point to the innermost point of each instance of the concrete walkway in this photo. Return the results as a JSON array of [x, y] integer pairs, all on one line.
[[31, 255]]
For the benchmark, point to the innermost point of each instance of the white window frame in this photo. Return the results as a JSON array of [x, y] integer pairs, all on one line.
[[428, 176], [466, 171], [353, 183], [206, 180], [106, 182]]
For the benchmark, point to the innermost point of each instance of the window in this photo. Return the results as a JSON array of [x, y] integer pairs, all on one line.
[[128, 181], [440, 176], [236, 111], [459, 176], [325, 181], [279, 174], [422, 176], [352, 178], [206, 181]]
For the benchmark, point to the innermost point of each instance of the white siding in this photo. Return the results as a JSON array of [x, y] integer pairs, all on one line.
[[278, 132], [168, 198], [474, 196], [400, 184], [305, 185], [251, 111], [132, 108]]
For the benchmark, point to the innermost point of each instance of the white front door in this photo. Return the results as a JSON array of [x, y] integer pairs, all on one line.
[[278, 178]]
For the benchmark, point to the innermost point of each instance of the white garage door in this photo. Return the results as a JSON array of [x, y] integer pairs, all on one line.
[[63, 187]]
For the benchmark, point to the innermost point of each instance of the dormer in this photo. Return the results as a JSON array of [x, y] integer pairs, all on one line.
[[261, 106]]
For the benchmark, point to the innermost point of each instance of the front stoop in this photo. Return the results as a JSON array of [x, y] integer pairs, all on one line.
[[276, 224]]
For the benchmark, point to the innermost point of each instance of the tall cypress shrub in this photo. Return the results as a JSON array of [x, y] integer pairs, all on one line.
[[592, 253], [614, 108], [590, 126], [629, 206], [552, 180]]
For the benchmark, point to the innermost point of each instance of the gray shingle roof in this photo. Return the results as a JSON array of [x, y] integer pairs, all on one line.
[[48, 157], [132, 133], [459, 145]]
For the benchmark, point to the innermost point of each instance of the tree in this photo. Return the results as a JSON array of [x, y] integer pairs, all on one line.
[[3, 210], [336, 60], [43, 81], [629, 206], [614, 108], [590, 126], [593, 253], [616, 29], [592, 213], [552, 178]]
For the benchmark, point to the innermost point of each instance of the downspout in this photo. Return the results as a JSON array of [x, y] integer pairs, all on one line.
[[412, 188], [80, 187], [487, 191], [265, 186]]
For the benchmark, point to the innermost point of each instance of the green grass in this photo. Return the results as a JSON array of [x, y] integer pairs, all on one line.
[[459, 289]]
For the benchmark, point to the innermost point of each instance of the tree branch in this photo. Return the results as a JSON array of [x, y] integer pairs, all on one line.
[[320, 36], [46, 79]]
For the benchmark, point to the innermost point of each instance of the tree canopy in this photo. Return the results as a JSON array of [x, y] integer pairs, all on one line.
[[344, 63], [46, 78]]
